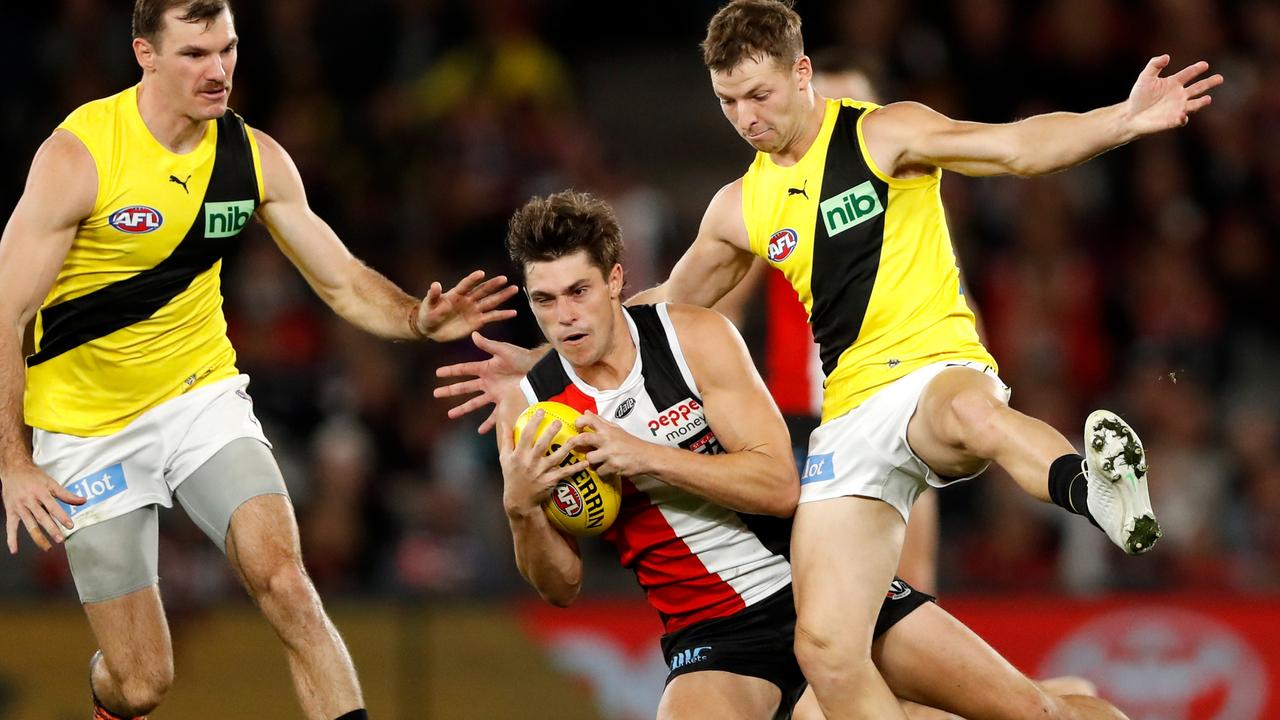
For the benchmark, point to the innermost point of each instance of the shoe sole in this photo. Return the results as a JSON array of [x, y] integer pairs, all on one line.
[[1129, 476]]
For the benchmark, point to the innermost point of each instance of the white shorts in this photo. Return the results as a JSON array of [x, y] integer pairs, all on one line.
[[865, 452], [143, 463]]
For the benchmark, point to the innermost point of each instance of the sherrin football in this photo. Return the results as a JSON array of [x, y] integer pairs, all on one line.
[[583, 504]]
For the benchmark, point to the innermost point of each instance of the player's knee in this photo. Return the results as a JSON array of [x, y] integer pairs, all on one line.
[[973, 416], [145, 687], [287, 590], [824, 655]]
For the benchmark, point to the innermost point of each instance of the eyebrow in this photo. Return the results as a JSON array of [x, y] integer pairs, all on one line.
[[192, 48]]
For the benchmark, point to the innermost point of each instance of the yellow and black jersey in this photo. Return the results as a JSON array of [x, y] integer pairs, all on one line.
[[869, 256], [134, 317]]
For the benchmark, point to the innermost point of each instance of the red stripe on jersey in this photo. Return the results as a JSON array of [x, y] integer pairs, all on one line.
[[675, 581], [576, 399], [788, 343]]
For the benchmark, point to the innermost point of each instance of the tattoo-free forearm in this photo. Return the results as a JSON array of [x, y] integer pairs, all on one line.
[[15, 448], [546, 559], [374, 304], [1056, 141], [750, 481]]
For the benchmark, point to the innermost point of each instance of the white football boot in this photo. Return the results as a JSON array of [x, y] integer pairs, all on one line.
[[1116, 467]]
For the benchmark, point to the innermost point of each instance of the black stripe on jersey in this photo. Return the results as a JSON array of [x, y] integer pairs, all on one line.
[[662, 377], [70, 324], [548, 378], [844, 266]]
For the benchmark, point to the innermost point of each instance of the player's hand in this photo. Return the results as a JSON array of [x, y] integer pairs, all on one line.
[[31, 499], [528, 473], [470, 305], [1160, 103], [610, 449], [506, 365]]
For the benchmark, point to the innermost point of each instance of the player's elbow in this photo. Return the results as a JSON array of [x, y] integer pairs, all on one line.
[[786, 491], [561, 595]]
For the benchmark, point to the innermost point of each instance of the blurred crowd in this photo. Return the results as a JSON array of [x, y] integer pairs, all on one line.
[[1142, 281]]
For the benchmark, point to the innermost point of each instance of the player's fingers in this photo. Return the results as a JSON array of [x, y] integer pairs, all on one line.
[[588, 421], [33, 529], [11, 530], [488, 424], [468, 283], [548, 434], [581, 441], [1190, 72], [487, 288], [433, 294], [469, 406], [64, 494], [466, 387], [470, 369], [1198, 103], [568, 471], [494, 316], [46, 522], [1204, 85], [56, 511], [497, 297], [1155, 65]]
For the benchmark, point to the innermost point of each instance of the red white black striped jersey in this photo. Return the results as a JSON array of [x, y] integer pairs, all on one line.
[[696, 560]]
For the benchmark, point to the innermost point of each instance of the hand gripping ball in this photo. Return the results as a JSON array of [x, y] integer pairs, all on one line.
[[582, 504]]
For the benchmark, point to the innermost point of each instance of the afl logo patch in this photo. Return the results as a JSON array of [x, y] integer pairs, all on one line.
[[625, 408], [567, 499], [781, 244], [136, 219]]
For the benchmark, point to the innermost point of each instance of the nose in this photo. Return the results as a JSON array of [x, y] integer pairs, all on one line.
[[566, 313], [218, 69]]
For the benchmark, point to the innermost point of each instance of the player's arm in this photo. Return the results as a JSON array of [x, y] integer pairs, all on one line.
[[716, 261], [547, 558], [908, 138], [356, 292], [756, 473], [60, 192]]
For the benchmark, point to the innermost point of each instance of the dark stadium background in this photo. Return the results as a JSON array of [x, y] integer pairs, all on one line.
[[1143, 281]]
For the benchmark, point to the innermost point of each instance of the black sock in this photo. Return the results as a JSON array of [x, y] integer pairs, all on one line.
[[1068, 486], [355, 715]]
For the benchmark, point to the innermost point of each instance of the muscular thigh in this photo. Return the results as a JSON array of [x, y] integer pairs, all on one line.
[[716, 694], [933, 659], [953, 400], [115, 557], [242, 470]]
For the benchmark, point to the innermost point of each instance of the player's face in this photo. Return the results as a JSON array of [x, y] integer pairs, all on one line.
[[194, 64], [764, 100], [576, 305]]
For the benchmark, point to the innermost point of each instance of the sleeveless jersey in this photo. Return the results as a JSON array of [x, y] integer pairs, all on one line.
[[869, 256], [134, 317], [696, 560]]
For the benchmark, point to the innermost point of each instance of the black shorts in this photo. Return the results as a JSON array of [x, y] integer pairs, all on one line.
[[760, 641]]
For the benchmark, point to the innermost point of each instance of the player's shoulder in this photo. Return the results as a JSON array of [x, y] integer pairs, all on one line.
[[698, 324]]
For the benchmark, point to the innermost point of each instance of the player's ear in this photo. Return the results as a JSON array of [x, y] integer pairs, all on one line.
[[803, 72], [145, 53], [616, 281]]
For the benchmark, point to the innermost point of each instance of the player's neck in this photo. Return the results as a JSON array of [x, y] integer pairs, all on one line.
[[610, 371], [809, 130], [176, 132]]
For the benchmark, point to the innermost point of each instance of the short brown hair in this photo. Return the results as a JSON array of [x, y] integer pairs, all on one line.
[[752, 29], [148, 15], [551, 227]]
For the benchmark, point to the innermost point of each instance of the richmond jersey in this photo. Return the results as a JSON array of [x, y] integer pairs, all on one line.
[[868, 255], [134, 317], [695, 559]]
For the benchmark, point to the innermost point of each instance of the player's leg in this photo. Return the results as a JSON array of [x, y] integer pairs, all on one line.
[[844, 551], [932, 659], [963, 421], [238, 496], [698, 695], [114, 565], [919, 562]]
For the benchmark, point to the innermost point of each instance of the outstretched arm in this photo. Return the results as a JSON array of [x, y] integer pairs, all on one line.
[[716, 261], [60, 192], [359, 294], [907, 139]]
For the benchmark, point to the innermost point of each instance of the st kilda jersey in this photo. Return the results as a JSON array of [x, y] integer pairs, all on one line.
[[696, 560]]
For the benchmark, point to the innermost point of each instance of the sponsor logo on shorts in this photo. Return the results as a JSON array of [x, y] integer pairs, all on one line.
[[781, 244], [818, 468], [689, 657], [224, 219], [679, 421], [897, 590], [96, 488], [136, 219], [852, 207], [625, 408]]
